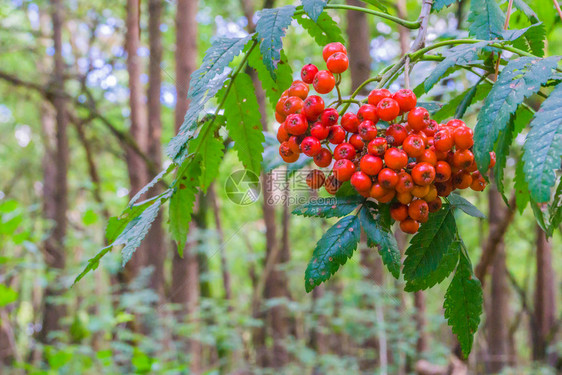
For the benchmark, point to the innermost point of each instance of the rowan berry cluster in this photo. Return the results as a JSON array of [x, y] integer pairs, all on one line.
[[410, 165]]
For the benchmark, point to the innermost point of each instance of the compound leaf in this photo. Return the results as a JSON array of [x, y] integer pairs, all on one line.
[[325, 30], [486, 19], [314, 8], [329, 207]]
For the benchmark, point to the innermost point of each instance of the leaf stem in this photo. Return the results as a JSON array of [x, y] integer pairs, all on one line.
[[421, 52], [399, 21]]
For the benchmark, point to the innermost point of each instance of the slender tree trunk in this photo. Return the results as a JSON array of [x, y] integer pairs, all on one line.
[[545, 301], [55, 184], [220, 233], [138, 128], [185, 271], [155, 238], [498, 307], [358, 46]]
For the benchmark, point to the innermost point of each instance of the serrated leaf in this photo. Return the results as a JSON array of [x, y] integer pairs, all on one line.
[[325, 30], [467, 100], [205, 83], [440, 4], [531, 38], [543, 147], [486, 19], [526, 9], [243, 122], [556, 210], [313, 8], [332, 251], [459, 55], [163, 173], [468, 208], [183, 199], [463, 304], [271, 28], [520, 79], [93, 264], [273, 88], [210, 147], [380, 236], [521, 188], [429, 248], [329, 207], [450, 108], [539, 214]]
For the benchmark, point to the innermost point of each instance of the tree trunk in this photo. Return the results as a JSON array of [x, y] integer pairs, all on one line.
[[359, 46], [138, 128], [55, 202], [220, 234], [155, 238], [185, 271], [498, 307], [545, 301]]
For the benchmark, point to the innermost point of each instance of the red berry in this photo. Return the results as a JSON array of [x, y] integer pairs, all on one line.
[[443, 141], [336, 135], [315, 179], [285, 150], [329, 117], [395, 158], [367, 130], [461, 180], [308, 72], [405, 183], [377, 146], [332, 48], [492, 159], [409, 226], [388, 109], [323, 158], [395, 134], [291, 158], [292, 105], [423, 174], [361, 181], [296, 124], [428, 156], [478, 182], [343, 169], [406, 99], [431, 128], [324, 82], [313, 107], [455, 123], [357, 141], [282, 134], [398, 211], [370, 164], [368, 112], [294, 144], [299, 89], [344, 151], [418, 210], [319, 131], [388, 178], [377, 95], [414, 145], [435, 205], [350, 122], [418, 118], [463, 158], [442, 171], [311, 146], [337, 63], [463, 137]]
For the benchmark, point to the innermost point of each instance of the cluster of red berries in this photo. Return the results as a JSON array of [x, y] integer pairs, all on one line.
[[410, 165]]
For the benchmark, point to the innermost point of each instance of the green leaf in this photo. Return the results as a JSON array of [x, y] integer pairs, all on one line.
[[377, 4], [463, 304], [531, 38], [429, 256], [183, 199], [7, 295], [204, 84], [431, 107], [468, 208], [243, 122], [520, 79], [467, 100], [556, 210], [117, 224], [210, 147], [451, 108], [486, 19], [329, 207], [543, 147], [381, 236], [163, 173], [459, 55], [93, 263], [539, 215], [332, 251], [313, 8], [526, 9], [522, 195], [324, 31], [271, 30], [273, 88], [440, 4]]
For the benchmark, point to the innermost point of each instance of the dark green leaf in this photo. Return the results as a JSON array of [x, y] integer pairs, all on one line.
[[467, 100], [381, 236], [432, 107], [273, 88], [440, 4], [543, 147], [429, 248], [332, 251], [521, 188], [243, 122], [324, 31], [463, 304], [459, 202], [556, 210], [183, 198], [450, 108], [486, 19], [313, 8], [530, 39], [329, 207], [526, 9], [346, 190], [539, 215], [210, 147], [93, 263], [271, 30], [520, 79]]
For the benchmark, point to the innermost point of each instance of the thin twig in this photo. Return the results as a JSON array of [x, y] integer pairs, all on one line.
[[557, 6], [505, 27]]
